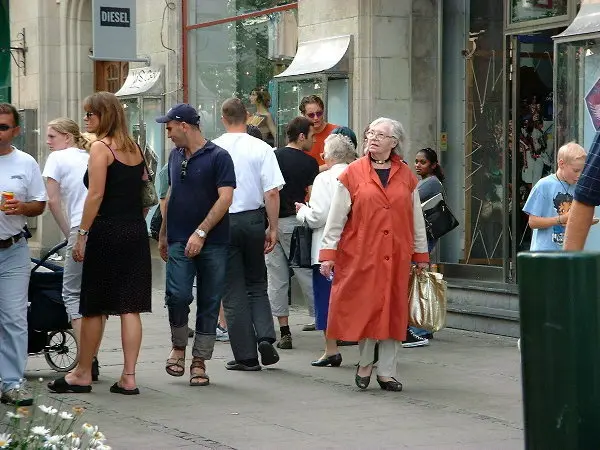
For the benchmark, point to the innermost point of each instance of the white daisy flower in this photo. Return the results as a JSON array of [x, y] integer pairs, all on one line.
[[5, 440], [99, 436], [48, 410], [40, 431], [89, 429], [65, 415]]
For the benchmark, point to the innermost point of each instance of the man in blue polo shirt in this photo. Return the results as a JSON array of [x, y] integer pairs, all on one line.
[[194, 237]]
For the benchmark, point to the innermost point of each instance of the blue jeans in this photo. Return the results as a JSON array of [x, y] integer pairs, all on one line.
[[15, 270], [209, 268], [322, 292]]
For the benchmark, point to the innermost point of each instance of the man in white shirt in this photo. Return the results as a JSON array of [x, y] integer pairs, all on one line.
[[258, 181], [20, 175]]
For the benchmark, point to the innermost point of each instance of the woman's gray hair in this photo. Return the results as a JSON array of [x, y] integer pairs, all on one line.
[[339, 148], [397, 131]]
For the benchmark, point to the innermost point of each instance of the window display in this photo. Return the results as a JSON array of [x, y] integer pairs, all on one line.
[[525, 10]]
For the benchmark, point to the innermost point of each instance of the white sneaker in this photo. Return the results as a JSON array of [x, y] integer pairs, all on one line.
[[222, 334]]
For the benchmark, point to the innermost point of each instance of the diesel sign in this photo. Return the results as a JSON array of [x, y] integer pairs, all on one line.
[[115, 17]]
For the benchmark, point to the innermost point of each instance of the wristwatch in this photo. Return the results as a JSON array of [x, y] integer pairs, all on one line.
[[81, 232], [200, 233]]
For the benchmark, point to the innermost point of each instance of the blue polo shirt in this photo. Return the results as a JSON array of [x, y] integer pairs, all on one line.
[[191, 199]]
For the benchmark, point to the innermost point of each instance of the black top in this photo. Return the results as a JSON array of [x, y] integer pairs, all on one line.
[[299, 170], [123, 190], [193, 195], [384, 175]]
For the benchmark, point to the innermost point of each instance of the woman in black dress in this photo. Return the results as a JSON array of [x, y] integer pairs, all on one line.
[[113, 245]]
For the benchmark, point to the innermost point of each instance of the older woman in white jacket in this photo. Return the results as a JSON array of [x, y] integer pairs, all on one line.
[[339, 151]]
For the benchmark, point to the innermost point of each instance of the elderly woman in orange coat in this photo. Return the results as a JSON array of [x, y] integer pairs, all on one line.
[[374, 232]]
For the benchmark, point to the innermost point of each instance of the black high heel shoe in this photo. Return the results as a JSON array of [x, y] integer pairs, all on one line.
[[362, 382], [391, 385], [333, 361], [95, 369]]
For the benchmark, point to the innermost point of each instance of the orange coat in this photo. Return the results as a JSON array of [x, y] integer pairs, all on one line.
[[373, 251]]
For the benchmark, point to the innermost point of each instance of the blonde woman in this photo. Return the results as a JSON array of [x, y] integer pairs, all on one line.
[[64, 171], [113, 244]]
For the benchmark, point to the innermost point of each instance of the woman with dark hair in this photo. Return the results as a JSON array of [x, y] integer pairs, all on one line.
[[113, 244], [262, 118], [428, 168]]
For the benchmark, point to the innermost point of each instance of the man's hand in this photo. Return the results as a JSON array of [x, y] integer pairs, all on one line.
[[327, 269], [270, 240], [194, 246], [14, 207], [163, 247]]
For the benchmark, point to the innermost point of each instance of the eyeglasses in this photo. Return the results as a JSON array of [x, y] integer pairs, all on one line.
[[377, 136], [184, 164], [4, 127], [315, 114], [89, 114]]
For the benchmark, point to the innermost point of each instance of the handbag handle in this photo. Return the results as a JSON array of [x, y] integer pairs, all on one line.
[[148, 171]]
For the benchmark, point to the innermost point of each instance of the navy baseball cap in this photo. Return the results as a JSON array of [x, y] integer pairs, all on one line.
[[182, 112]]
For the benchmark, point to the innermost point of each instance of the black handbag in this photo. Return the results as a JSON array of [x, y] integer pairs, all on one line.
[[439, 220], [300, 247], [155, 224]]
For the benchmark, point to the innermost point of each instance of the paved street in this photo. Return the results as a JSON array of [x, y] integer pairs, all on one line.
[[461, 392]]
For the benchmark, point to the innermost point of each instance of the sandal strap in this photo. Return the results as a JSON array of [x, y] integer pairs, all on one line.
[[198, 364]]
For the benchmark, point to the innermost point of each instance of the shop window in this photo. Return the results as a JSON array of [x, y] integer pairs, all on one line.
[[201, 11], [235, 59], [526, 10], [484, 140]]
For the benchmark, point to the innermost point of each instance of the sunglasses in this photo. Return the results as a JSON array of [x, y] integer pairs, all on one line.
[[183, 173], [4, 127], [315, 114]]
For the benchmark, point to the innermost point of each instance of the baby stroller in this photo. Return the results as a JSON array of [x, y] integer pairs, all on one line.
[[50, 332]]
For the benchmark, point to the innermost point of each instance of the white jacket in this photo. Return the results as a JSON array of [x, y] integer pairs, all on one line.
[[316, 212]]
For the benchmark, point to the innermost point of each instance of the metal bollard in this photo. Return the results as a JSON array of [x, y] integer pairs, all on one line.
[[559, 298]]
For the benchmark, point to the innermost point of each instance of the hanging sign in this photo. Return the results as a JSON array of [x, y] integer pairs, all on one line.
[[443, 141], [114, 30]]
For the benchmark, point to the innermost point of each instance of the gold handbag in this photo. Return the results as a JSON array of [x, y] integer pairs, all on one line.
[[427, 300]]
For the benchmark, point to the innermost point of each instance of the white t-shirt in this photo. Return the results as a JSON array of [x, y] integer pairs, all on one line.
[[67, 167], [19, 173], [256, 170]]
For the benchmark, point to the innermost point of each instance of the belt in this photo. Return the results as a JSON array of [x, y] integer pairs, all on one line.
[[6, 243]]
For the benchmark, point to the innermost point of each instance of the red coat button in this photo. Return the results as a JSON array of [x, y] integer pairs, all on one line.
[[387, 258], [386, 232]]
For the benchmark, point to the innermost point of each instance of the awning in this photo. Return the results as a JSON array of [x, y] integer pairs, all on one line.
[[321, 55], [586, 22], [143, 80]]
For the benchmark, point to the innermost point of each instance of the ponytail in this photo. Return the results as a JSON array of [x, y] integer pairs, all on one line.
[[432, 157]]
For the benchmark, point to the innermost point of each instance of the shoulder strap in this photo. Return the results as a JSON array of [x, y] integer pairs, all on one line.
[[148, 172], [111, 150]]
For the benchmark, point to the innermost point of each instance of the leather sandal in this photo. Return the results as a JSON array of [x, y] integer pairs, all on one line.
[[177, 362], [118, 389], [198, 364]]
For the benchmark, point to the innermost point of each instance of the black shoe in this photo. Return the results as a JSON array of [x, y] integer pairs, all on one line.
[[190, 333], [309, 327], [268, 354], [95, 369], [116, 389], [346, 343], [234, 365], [392, 385], [362, 382], [412, 340], [331, 361]]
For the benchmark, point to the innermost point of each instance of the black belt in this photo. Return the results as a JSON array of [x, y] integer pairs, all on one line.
[[6, 243], [248, 211]]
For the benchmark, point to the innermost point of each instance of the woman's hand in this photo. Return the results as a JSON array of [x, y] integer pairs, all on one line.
[[298, 206], [327, 268], [79, 248], [422, 266]]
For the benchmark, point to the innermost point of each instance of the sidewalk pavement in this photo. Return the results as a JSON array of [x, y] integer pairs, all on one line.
[[461, 392]]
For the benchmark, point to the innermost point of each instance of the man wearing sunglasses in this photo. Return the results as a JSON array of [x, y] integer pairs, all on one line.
[[313, 108], [20, 176], [194, 237]]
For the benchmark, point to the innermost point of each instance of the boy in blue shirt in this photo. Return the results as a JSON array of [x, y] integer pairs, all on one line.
[[550, 199]]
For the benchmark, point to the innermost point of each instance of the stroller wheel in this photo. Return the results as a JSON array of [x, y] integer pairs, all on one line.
[[62, 350]]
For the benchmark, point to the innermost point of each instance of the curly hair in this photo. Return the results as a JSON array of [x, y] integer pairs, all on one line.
[[262, 96], [308, 100]]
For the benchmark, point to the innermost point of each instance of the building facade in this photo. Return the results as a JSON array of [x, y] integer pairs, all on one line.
[[484, 83]]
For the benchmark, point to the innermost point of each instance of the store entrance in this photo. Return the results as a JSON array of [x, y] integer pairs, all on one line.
[[531, 126]]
